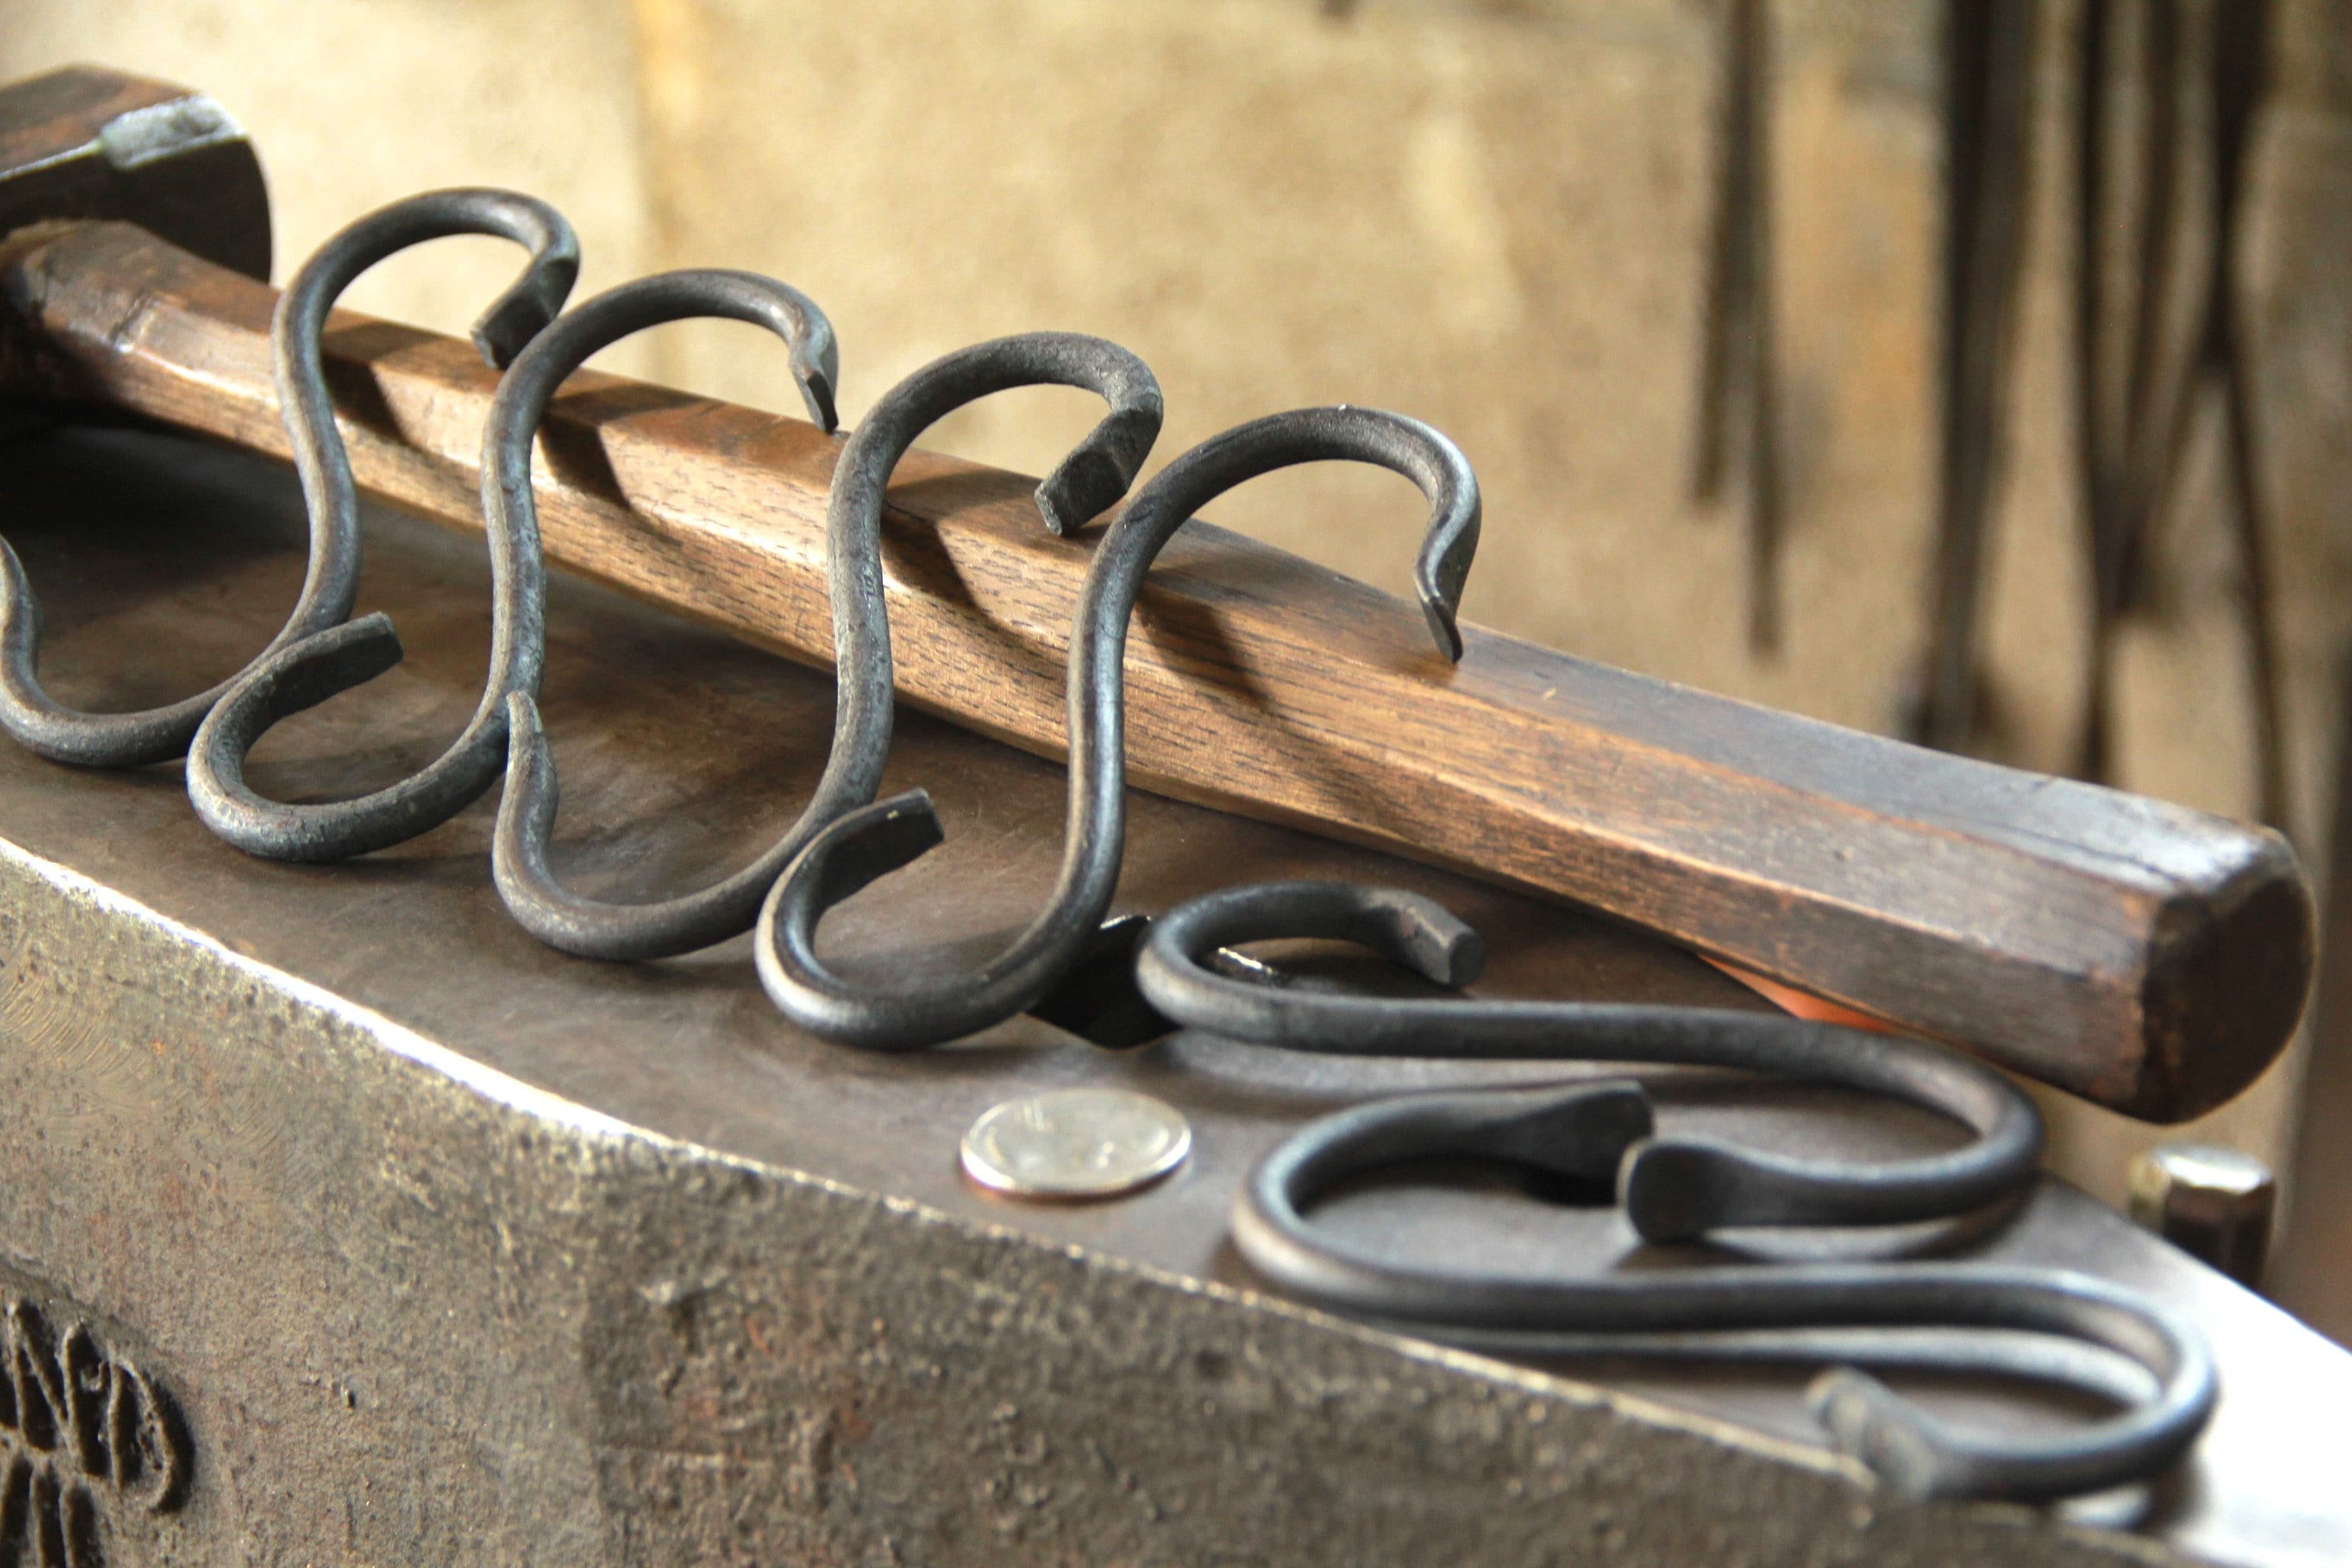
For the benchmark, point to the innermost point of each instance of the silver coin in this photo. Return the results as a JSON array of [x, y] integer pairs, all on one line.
[[1076, 1143]]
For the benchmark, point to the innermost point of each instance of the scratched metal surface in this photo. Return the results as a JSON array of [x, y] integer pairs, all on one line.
[[163, 563]]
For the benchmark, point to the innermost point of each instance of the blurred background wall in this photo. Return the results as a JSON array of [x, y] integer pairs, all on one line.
[[1494, 215]]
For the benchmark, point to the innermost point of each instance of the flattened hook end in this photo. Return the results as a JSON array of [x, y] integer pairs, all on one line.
[[1437, 944], [1870, 1422], [524, 311], [522, 714], [816, 391], [1443, 627], [872, 842], [1442, 574], [1674, 1192], [325, 664], [1098, 1000], [1082, 486], [20, 611], [1091, 479], [526, 810], [530, 762], [1581, 1131]]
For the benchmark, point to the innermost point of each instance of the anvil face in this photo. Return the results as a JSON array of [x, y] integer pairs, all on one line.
[[353, 1224]]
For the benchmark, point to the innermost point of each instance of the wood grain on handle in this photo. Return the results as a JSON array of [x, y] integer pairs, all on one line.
[[2149, 957]]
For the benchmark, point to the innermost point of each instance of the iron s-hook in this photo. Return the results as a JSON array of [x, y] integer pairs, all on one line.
[[306, 673], [309, 672], [1673, 1190], [330, 582], [1090, 479], [879, 839], [1677, 1190], [538, 900], [1818, 1312]]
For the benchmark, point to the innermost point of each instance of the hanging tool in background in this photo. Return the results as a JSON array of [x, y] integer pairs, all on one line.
[[2131, 447], [2117, 384], [1737, 347], [1989, 116]]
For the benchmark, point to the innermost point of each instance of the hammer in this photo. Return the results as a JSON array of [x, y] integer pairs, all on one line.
[[2147, 957]]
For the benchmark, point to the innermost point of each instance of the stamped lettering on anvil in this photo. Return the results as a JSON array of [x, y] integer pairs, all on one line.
[[79, 1425]]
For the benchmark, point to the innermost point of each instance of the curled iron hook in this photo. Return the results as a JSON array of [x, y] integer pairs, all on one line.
[[1671, 1189], [305, 674], [526, 882], [1589, 1131], [877, 840], [1090, 479], [330, 582]]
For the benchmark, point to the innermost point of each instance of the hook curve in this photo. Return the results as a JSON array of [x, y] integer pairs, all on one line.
[[330, 582], [1773, 1311], [871, 842], [1090, 479], [1671, 1189]]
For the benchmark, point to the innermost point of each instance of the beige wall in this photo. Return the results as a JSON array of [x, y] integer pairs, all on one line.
[[1488, 216]]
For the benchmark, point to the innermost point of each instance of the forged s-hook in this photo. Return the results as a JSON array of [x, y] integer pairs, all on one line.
[[307, 673], [330, 582], [527, 884], [1732, 1312], [1090, 479], [879, 839], [1673, 1190]]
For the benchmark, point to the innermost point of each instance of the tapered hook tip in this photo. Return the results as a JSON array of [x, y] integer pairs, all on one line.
[[816, 391], [1442, 628], [1870, 1422], [1442, 574], [1098, 471], [1081, 487], [1423, 933], [1672, 1191], [525, 311], [861, 846]]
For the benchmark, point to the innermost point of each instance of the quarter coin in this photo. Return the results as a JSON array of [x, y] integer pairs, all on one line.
[[1076, 1143]]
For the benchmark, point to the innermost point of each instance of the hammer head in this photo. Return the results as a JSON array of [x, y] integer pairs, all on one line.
[[87, 143]]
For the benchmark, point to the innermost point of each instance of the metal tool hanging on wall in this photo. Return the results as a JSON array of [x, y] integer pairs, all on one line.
[[1990, 52], [1738, 387], [2139, 387]]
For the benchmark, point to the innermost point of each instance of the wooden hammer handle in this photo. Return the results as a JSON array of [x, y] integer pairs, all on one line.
[[2151, 958]]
